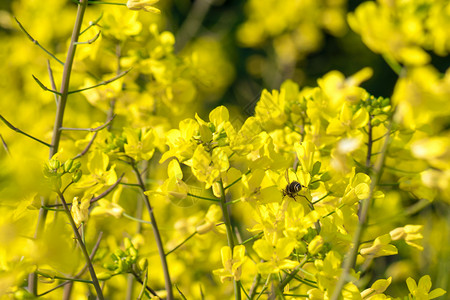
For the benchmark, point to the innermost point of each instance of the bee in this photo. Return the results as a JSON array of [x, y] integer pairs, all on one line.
[[292, 188]]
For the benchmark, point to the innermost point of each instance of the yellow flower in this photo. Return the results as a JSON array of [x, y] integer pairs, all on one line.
[[422, 291], [410, 233], [380, 247], [80, 210], [377, 288], [232, 263], [144, 5], [213, 216], [275, 257]]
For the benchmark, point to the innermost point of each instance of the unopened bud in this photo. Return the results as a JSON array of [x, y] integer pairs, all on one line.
[[68, 165]]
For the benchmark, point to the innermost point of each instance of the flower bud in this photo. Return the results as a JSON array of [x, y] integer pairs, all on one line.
[[315, 245], [77, 175], [75, 166], [68, 165], [54, 164], [103, 276], [143, 264]]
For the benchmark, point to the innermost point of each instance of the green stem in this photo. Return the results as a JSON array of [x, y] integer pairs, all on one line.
[[294, 272], [182, 243], [60, 107], [230, 233], [203, 198], [350, 259], [395, 66], [157, 235], [22, 132], [83, 248]]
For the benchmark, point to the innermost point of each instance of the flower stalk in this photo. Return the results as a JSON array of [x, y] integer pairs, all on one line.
[[156, 233], [230, 233], [78, 237], [349, 261], [60, 108]]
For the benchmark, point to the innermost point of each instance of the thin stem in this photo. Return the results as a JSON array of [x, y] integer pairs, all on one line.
[[236, 181], [135, 219], [253, 238], [350, 259], [64, 278], [182, 243], [327, 194], [255, 284], [52, 79], [91, 40], [5, 146], [60, 108], [108, 190], [37, 43], [203, 198], [92, 23], [90, 129], [294, 272], [88, 146], [395, 66], [83, 247], [55, 92], [101, 83], [157, 235], [146, 287], [226, 216], [230, 233], [66, 77], [192, 22], [107, 3], [369, 142], [94, 199], [138, 215], [22, 132]]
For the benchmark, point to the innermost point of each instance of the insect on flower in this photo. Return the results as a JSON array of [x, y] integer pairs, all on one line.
[[292, 188]]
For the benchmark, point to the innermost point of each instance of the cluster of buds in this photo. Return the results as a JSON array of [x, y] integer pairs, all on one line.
[[54, 170]]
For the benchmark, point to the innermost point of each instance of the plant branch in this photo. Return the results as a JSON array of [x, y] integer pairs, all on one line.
[[44, 87], [102, 83], [22, 132], [94, 250], [91, 40], [52, 79], [146, 287], [203, 198], [230, 233], [82, 246], [192, 22], [90, 129], [182, 243], [92, 23], [37, 43], [5, 146], [88, 146], [60, 108], [350, 259], [157, 235], [108, 190]]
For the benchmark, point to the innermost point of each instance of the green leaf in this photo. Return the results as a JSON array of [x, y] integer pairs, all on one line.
[[316, 168]]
